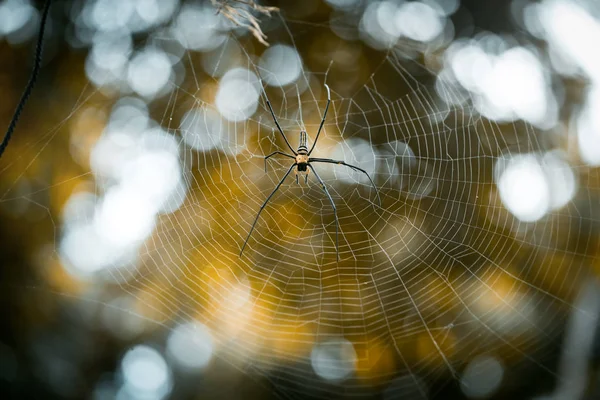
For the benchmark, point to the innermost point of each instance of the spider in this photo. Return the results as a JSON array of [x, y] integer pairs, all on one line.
[[302, 162]]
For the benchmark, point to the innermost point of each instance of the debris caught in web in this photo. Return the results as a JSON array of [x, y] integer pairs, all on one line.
[[240, 13]]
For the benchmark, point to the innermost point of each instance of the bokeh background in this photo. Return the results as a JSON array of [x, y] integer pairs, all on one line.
[[136, 170]]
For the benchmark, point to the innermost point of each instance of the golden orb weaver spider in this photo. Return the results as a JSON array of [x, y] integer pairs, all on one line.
[[302, 162]]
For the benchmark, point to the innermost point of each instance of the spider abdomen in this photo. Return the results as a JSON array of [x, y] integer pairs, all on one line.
[[303, 145]]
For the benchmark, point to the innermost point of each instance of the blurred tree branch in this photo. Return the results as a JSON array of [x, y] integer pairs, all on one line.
[[239, 12]]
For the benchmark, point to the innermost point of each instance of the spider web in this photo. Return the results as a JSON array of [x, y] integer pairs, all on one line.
[[424, 282], [440, 273]]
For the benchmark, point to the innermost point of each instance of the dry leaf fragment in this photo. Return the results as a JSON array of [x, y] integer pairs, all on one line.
[[235, 11]]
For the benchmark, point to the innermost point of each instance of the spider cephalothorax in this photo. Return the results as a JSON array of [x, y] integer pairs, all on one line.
[[302, 158], [302, 162]]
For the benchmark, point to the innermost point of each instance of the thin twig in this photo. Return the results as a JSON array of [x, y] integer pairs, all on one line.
[[34, 74]]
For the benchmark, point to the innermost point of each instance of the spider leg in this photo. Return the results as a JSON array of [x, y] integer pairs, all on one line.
[[279, 127], [274, 153], [323, 120], [339, 162], [264, 204], [337, 222]]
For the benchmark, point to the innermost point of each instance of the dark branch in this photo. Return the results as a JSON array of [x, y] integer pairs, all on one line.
[[33, 78]]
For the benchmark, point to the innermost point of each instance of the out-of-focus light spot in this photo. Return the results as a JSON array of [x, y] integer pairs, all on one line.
[[145, 373], [333, 360], [85, 252], [561, 178], [588, 128], [111, 50], [494, 45], [157, 139], [199, 28], [282, 65], [107, 61], [243, 74], [141, 172], [517, 84], [125, 138], [110, 154], [154, 12], [531, 19], [356, 152], [469, 64], [418, 21], [449, 91], [386, 14], [572, 32], [14, 14], [111, 15], [102, 78], [79, 209], [128, 110], [125, 217], [523, 187], [507, 86], [175, 199], [237, 100], [148, 10], [407, 387], [202, 129], [482, 377], [237, 97], [153, 175], [191, 345], [149, 71], [377, 27]]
